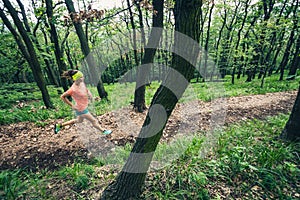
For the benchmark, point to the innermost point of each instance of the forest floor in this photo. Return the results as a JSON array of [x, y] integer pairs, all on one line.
[[26, 145]]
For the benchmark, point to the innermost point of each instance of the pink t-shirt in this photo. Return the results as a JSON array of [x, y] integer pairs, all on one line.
[[80, 95]]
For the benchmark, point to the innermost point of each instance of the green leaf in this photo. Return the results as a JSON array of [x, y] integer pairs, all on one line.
[[253, 168]]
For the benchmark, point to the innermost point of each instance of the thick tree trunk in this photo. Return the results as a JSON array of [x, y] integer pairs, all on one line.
[[130, 180], [291, 130]]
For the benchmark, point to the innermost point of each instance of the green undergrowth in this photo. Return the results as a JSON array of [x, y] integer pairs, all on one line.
[[224, 88], [244, 161], [248, 162], [23, 102]]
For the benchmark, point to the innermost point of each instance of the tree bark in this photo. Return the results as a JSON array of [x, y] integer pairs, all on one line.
[[286, 54], [291, 130], [239, 39], [147, 60], [259, 46], [225, 55], [54, 39], [205, 75], [295, 62]]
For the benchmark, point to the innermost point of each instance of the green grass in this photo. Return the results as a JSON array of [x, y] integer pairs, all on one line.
[[210, 90], [78, 175], [247, 161]]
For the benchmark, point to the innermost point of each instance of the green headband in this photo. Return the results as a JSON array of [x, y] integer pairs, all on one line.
[[77, 76]]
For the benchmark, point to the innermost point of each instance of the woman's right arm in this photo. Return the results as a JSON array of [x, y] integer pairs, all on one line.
[[66, 100]]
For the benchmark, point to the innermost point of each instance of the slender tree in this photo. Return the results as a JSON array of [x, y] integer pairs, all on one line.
[[295, 61], [237, 43], [150, 49], [207, 39], [86, 49], [34, 36], [134, 34], [54, 39], [275, 34], [217, 45], [227, 42], [290, 42]]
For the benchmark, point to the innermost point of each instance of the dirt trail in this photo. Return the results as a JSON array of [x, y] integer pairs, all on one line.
[[33, 147]]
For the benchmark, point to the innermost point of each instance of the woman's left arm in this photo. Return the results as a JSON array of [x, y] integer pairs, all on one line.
[[90, 95]]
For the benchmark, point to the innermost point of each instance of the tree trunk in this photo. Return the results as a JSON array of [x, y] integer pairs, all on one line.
[[291, 130], [150, 49], [69, 56], [28, 51], [49, 64], [96, 77], [286, 55], [239, 39], [259, 46], [54, 39], [278, 50], [295, 62], [204, 74], [135, 54], [219, 40], [129, 182], [225, 55]]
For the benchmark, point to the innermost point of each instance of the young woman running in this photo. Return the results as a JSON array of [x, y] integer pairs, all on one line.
[[80, 94]]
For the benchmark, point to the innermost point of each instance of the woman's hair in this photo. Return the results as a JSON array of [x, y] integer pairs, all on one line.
[[68, 74]]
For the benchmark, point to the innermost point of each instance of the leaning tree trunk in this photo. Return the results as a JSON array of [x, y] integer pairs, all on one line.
[[291, 130], [128, 184], [150, 49], [86, 50]]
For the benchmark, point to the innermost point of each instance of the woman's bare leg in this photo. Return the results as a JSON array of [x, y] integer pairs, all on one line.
[[79, 119], [93, 120], [71, 122]]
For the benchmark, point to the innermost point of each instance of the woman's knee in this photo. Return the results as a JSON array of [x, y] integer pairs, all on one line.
[[94, 122], [79, 119]]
